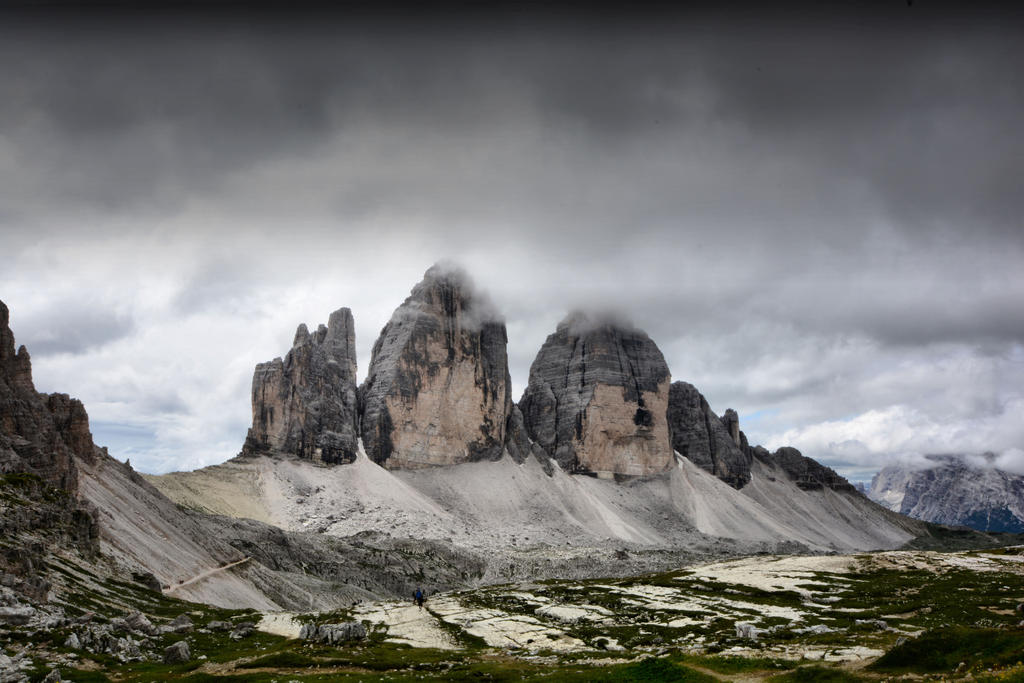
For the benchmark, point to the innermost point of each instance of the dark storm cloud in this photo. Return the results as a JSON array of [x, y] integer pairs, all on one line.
[[814, 213], [73, 327], [915, 114]]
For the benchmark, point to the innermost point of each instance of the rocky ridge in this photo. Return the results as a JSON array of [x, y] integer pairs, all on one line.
[[438, 390], [712, 443]]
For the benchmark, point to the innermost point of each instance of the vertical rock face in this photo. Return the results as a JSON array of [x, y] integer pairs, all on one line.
[[39, 433], [713, 443], [438, 390], [307, 403], [597, 399]]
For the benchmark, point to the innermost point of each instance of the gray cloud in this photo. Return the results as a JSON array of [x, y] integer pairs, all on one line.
[[73, 327], [814, 215]]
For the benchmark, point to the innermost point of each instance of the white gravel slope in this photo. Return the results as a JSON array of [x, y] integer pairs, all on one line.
[[142, 528], [503, 505]]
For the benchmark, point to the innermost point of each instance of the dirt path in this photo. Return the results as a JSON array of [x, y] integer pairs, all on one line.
[[203, 575]]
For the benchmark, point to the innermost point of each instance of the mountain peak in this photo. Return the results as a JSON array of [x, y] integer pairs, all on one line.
[[306, 404], [437, 391], [597, 398]]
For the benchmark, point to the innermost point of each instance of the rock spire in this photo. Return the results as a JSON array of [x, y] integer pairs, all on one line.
[[438, 390], [306, 404], [597, 399]]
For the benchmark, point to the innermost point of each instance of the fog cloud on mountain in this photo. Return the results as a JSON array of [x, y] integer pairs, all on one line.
[[816, 215]]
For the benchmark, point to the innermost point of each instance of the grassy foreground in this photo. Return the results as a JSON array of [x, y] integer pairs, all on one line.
[[892, 616]]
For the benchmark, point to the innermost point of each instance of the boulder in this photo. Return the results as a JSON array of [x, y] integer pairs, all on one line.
[[333, 633], [712, 443], [438, 390], [147, 579], [747, 630], [140, 623], [306, 404], [597, 399], [243, 630], [16, 616], [178, 653], [181, 624]]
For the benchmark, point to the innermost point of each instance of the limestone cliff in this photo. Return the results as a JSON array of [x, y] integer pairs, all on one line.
[[306, 404], [39, 433], [438, 390], [710, 442], [597, 399]]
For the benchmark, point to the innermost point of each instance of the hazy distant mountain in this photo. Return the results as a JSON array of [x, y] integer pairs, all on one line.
[[953, 490]]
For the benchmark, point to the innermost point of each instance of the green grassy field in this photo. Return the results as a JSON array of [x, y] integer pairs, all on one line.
[[946, 621]]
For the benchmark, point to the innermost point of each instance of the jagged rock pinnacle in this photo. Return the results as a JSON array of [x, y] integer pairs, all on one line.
[[307, 403]]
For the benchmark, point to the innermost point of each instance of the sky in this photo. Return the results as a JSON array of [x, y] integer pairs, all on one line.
[[815, 212]]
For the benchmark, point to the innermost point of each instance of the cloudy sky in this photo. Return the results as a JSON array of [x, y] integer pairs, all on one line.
[[816, 216]]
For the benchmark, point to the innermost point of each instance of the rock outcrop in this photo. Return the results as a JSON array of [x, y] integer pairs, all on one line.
[[597, 399], [39, 433], [808, 473], [41, 438], [713, 443], [438, 390], [306, 404]]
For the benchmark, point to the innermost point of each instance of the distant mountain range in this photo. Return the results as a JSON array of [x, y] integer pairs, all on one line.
[[953, 490]]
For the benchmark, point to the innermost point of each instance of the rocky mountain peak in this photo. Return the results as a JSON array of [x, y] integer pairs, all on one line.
[[15, 366], [306, 404], [597, 398], [954, 489], [438, 389], [39, 433]]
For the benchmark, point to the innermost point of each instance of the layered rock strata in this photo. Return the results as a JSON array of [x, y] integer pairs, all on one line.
[[713, 443], [306, 404], [39, 433], [438, 390], [597, 399]]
